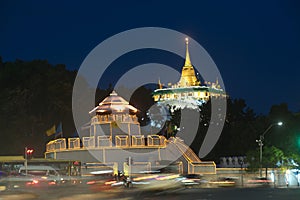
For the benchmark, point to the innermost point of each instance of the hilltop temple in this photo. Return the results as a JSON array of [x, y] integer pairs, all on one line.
[[188, 91]]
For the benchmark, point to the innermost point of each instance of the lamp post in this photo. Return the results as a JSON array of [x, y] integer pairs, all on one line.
[[260, 144], [26, 161]]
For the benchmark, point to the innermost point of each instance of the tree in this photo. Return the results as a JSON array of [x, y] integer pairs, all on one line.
[[238, 131], [34, 95], [272, 157], [287, 136]]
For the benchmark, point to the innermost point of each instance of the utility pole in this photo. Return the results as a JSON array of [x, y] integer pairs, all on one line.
[[241, 162], [129, 166], [26, 161], [128, 180], [260, 144]]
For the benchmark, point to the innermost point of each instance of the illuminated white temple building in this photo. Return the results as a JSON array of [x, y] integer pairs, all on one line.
[[188, 91], [115, 136]]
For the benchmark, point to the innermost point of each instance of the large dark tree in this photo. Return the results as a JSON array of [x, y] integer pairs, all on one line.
[[33, 96], [237, 134], [287, 136]]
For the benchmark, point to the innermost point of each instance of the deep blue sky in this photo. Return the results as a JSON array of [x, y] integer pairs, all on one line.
[[255, 44]]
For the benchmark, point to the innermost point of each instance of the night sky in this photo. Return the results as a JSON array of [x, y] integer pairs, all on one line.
[[255, 44]]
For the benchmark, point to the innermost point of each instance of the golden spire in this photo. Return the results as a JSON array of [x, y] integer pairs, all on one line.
[[188, 76], [159, 84], [187, 55]]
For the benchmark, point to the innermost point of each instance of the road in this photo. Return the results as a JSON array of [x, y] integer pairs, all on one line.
[[81, 193], [231, 194]]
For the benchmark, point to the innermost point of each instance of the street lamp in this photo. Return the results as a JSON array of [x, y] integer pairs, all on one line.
[[260, 144]]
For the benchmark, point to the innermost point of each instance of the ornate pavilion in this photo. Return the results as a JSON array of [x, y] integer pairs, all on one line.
[[114, 118], [115, 136]]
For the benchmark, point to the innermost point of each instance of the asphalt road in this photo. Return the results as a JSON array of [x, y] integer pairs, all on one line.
[[82, 193], [232, 194]]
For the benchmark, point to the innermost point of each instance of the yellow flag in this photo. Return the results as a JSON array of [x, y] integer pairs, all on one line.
[[51, 131]]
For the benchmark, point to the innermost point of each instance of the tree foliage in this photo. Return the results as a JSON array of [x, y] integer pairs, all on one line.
[[34, 95]]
